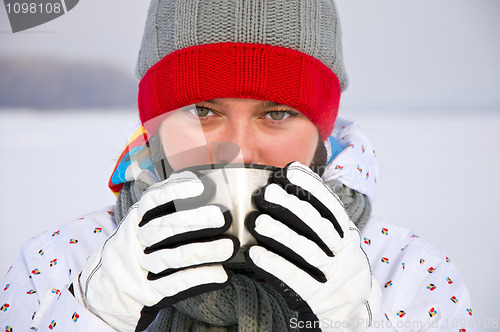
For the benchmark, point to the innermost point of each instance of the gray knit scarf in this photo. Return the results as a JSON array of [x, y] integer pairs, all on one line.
[[245, 305]]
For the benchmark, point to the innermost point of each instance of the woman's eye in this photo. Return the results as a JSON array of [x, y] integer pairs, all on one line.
[[277, 115], [202, 111]]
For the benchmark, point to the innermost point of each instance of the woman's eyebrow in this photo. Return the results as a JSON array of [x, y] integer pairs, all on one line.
[[267, 104], [213, 101], [262, 105]]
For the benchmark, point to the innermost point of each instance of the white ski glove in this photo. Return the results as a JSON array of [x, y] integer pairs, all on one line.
[[168, 248], [311, 252]]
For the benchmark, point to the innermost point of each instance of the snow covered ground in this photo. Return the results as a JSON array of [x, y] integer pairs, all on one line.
[[438, 176]]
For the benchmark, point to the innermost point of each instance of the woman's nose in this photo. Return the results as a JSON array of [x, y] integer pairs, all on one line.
[[224, 152], [235, 145]]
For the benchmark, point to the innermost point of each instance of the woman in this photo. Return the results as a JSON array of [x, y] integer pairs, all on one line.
[[234, 81]]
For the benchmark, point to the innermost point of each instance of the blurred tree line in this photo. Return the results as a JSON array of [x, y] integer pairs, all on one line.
[[56, 84]]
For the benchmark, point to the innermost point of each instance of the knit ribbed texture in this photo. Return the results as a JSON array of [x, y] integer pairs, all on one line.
[[245, 306], [309, 26], [357, 205], [237, 70], [130, 194]]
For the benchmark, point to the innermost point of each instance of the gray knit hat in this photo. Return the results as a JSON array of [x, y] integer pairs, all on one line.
[[286, 51]]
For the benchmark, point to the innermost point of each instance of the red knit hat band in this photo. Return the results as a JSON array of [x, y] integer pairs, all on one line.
[[237, 70]]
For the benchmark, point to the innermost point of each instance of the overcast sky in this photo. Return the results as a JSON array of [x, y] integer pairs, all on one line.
[[412, 54]]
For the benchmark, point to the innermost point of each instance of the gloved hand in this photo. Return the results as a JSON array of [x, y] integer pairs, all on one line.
[[168, 248], [310, 251]]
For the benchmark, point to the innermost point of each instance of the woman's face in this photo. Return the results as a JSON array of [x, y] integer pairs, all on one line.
[[236, 130]]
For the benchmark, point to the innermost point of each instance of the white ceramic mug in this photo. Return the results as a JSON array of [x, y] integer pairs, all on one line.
[[234, 186]]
